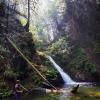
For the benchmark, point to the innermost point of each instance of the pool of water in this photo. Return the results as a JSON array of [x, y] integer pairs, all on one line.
[[84, 93]]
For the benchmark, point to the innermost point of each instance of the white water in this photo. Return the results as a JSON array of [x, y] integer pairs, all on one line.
[[67, 79]]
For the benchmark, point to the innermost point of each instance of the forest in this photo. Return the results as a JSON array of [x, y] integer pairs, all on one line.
[[51, 46]]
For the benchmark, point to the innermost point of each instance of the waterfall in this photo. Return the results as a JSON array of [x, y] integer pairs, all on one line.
[[67, 79]]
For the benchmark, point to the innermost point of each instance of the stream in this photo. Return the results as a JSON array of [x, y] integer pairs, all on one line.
[[84, 93]]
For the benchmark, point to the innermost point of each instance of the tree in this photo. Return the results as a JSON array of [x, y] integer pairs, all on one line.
[[28, 21]]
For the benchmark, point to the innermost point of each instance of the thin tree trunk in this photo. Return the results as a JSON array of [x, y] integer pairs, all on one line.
[[8, 19], [28, 12], [28, 20]]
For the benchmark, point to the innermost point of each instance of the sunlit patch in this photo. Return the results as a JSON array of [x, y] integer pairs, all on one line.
[[44, 6], [23, 21]]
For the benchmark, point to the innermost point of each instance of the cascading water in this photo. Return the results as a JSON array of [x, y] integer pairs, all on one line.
[[67, 79]]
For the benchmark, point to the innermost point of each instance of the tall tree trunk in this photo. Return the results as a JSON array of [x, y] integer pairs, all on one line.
[[28, 21], [8, 18], [28, 13]]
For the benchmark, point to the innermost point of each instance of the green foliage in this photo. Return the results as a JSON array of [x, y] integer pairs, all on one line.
[[51, 73], [97, 48], [78, 57], [39, 44], [90, 67], [4, 91], [80, 61], [3, 51], [2, 5], [59, 47], [9, 74], [2, 84], [23, 21]]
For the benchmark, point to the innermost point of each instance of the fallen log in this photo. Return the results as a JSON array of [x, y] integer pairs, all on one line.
[[60, 90]]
